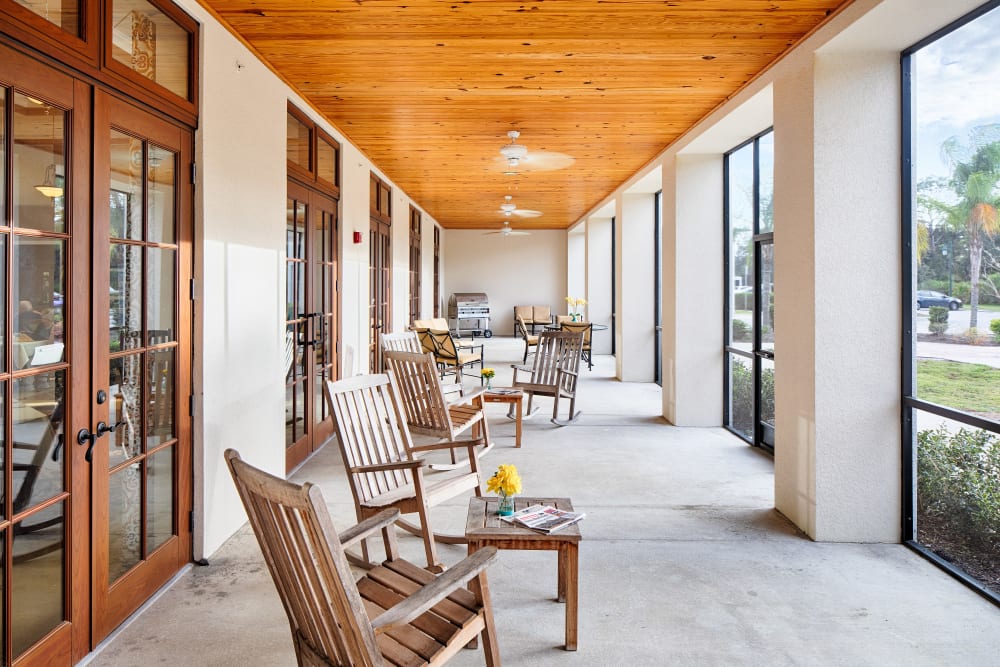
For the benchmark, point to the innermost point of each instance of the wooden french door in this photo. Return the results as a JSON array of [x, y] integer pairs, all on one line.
[[379, 269], [311, 319], [140, 386], [44, 364]]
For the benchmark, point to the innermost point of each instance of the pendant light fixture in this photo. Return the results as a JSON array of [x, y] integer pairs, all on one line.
[[51, 185]]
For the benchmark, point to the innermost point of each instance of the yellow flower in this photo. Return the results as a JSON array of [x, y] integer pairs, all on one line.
[[487, 372], [570, 300], [581, 302], [505, 481]]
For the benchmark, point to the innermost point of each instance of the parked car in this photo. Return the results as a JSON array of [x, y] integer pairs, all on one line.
[[927, 298]]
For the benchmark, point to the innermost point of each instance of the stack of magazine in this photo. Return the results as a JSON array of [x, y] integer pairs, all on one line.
[[543, 518]]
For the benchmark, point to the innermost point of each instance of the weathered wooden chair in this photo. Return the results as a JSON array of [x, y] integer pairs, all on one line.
[[382, 462], [530, 339], [586, 328], [395, 614], [554, 372], [428, 409]]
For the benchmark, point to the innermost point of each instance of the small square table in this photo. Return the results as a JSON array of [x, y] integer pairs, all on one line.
[[484, 528], [514, 397]]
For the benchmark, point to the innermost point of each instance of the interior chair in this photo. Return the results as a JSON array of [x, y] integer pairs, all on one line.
[[451, 359], [382, 462], [426, 407], [554, 373], [530, 340], [586, 328], [394, 614], [409, 341], [560, 319]]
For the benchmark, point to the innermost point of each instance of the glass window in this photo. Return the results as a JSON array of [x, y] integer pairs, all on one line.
[[150, 42], [951, 312], [65, 14], [299, 142]]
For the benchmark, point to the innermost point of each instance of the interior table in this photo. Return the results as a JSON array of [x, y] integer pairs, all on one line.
[[484, 528]]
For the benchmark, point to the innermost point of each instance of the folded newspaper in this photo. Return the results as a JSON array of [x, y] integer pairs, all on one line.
[[543, 518]]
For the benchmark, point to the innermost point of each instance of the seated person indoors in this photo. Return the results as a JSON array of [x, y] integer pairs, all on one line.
[[32, 323]]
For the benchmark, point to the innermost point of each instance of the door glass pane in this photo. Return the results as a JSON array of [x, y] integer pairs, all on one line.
[[298, 142], [149, 42], [160, 417], [160, 292], [39, 165], [326, 161], [766, 287], [126, 186], [741, 395], [38, 290], [126, 297], [159, 498], [64, 14], [765, 162], [161, 171], [37, 588], [295, 411], [3, 139], [767, 392], [124, 520], [3, 291], [3, 461], [38, 439], [125, 410]]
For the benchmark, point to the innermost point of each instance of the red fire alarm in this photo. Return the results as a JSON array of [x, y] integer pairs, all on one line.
[[357, 237]]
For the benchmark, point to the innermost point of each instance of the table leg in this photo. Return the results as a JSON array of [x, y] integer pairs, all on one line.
[[517, 425], [568, 575]]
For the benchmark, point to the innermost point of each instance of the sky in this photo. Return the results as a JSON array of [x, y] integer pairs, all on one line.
[[955, 85]]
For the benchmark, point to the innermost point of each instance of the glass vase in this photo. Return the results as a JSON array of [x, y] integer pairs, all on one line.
[[489, 383], [506, 505]]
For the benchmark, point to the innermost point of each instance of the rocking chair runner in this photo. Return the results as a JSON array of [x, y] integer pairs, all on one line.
[[554, 373], [397, 613], [428, 409], [380, 458]]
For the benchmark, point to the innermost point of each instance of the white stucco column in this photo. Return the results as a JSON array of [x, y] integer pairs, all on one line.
[[837, 296], [637, 354], [692, 290], [576, 262]]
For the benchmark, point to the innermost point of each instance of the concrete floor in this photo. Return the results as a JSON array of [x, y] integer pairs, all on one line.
[[684, 562]]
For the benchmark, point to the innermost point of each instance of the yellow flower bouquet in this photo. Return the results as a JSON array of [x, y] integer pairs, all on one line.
[[488, 374], [506, 483]]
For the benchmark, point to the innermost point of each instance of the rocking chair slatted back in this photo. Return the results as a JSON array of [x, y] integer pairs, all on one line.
[[371, 434], [555, 371]]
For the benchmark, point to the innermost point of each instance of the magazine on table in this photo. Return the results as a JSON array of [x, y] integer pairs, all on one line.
[[543, 518]]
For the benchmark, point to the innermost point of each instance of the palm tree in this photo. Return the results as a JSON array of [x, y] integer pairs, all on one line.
[[975, 174]]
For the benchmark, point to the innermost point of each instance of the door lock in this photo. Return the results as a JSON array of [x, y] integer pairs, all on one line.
[[85, 437]]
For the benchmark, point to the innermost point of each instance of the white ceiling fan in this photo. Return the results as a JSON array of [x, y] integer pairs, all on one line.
[[506, 231], [515, 155], [508, 208]]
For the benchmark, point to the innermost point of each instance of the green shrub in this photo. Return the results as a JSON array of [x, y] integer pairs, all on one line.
[[741, 330], [938, 319], [741, 389], [958, 477], [995, 328]]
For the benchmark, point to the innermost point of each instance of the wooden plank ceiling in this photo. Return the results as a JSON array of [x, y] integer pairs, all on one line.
[[428, 89]]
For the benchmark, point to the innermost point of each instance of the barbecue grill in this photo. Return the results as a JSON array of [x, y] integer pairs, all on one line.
[[469, 311]]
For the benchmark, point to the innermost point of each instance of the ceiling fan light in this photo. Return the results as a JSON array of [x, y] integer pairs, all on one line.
[[50, 186], [515, 152]]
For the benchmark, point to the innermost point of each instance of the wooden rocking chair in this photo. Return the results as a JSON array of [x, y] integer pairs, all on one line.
[[554, 373], [409, 341], [382, 466], [397, 613], [428, 410]]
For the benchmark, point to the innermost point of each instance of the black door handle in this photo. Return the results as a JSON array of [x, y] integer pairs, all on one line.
[[85, 437]]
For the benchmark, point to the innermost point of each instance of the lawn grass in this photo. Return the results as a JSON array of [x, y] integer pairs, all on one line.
[[966, 387]]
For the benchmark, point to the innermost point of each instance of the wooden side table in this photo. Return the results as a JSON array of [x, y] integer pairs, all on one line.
[[484, 528], [513, 397]]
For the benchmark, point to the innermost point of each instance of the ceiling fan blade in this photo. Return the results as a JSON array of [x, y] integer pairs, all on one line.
[[537, 160], [527, 213]]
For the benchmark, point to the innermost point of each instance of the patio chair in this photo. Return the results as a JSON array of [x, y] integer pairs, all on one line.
[[554, 373], [586, 328], [396, 613], [451, 359], [530, 340], [428, 410], [409, 341], [382, 462]]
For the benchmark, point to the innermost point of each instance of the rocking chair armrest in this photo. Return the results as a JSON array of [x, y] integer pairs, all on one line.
[[356, 533], [429, 595], [467, 398], [379, 467], [473, 442]]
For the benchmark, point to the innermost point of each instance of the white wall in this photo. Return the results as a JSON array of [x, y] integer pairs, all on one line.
[[512, 271], [637, 276], [599, 282]]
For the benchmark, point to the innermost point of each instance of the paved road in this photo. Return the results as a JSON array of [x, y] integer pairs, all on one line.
[[958, 320]]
